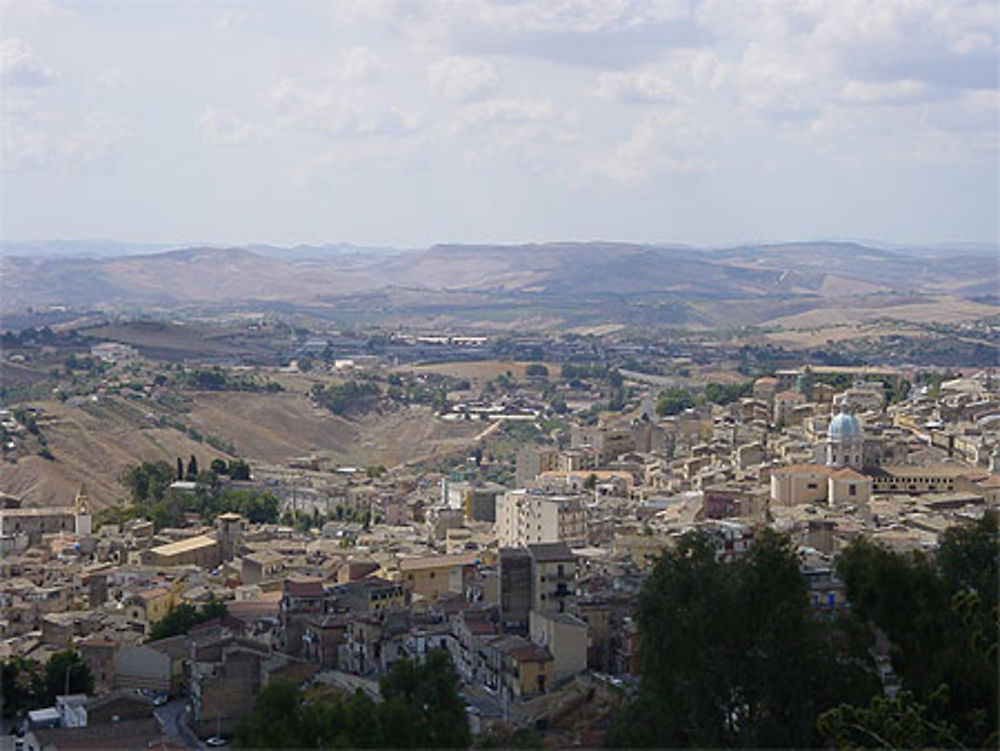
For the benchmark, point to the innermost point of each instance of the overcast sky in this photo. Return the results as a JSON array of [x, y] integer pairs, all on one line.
[[410, 122]]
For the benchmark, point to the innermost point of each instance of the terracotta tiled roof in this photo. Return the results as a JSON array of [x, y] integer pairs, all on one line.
[[801, 469], [304, 588], [530, 653]]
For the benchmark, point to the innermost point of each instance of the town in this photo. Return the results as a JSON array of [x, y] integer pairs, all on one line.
[[165, 591]]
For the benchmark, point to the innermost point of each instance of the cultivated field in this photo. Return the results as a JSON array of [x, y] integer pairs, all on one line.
[[477, 373]]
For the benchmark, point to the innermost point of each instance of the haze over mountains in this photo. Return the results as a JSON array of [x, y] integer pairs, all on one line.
[[37, 274]]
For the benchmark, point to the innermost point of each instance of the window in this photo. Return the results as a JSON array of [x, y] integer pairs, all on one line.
[[852, 489], [811, 486]]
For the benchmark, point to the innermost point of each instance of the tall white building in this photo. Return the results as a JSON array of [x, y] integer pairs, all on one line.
[[525, 518]]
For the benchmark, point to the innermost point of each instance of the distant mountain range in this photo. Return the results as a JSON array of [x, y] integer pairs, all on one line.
[[88, 274]]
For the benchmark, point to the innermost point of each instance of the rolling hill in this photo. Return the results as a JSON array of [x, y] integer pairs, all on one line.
[[545, 273]]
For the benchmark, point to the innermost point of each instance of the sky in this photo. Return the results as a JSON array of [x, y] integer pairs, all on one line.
[[412, 122]]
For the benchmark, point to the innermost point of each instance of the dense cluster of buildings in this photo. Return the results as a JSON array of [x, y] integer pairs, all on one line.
[[529, 588]]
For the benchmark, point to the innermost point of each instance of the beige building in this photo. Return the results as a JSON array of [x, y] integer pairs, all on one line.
[[203, 551], [36, 522], [432, 576], [816, 483], [143, 667], [565, 636], [942, 478], [524, 518], [553, 571]]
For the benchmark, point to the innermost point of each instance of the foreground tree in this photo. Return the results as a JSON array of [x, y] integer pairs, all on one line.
[[66, 672], [731, 654], [421, 708], [940, 615], [22, 687]]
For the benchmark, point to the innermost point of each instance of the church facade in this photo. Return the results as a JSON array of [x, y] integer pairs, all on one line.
[[839, 480]]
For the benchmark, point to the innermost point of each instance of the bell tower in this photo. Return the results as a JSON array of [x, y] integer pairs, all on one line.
[[83, 522]]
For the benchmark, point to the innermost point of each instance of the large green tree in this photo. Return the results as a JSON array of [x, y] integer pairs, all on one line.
[[673, 401], [181, 618], [940, 615], [732, 655], [22, 686], [66, 670], [421, 708]]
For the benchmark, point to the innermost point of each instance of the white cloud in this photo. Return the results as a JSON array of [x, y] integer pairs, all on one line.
[[661, 142], [22, 134], [20, 67], [329, 108], [111, 80], [224, 128], [580, 16], [361, 64], [534, 134], [507, 112], [96, 138], [464, 79], [643, 87], [35, 137], [893, 92]]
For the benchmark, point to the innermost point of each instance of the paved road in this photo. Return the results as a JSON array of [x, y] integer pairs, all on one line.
[[348, 682], [171, 716]]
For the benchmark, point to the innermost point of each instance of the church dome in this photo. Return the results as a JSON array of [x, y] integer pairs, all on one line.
[[844, 427]]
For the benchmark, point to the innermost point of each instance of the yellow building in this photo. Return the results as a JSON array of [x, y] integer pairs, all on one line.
[[529, 670], [432, 576], [150, 606]]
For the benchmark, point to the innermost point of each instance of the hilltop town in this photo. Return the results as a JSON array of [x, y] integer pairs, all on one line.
[[499, 498]]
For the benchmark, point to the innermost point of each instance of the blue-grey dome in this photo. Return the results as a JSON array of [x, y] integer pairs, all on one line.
[[844, 427]]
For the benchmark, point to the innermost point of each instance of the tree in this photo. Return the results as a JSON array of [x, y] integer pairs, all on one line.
[[537, 369], [427, 694], [219, 466], [731, 654], [181, 618], [148, 480], [192, 468], [180, 469], [617, 401], [673, 401], [725, 393], [940, 617], [67, 670], [22, 687], [421, 708], [239, 469], [887, 722]]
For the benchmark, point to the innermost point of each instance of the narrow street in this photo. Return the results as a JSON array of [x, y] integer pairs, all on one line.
[[170, 718]]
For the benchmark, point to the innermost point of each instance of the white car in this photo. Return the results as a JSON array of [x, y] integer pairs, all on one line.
[[215, 741]]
